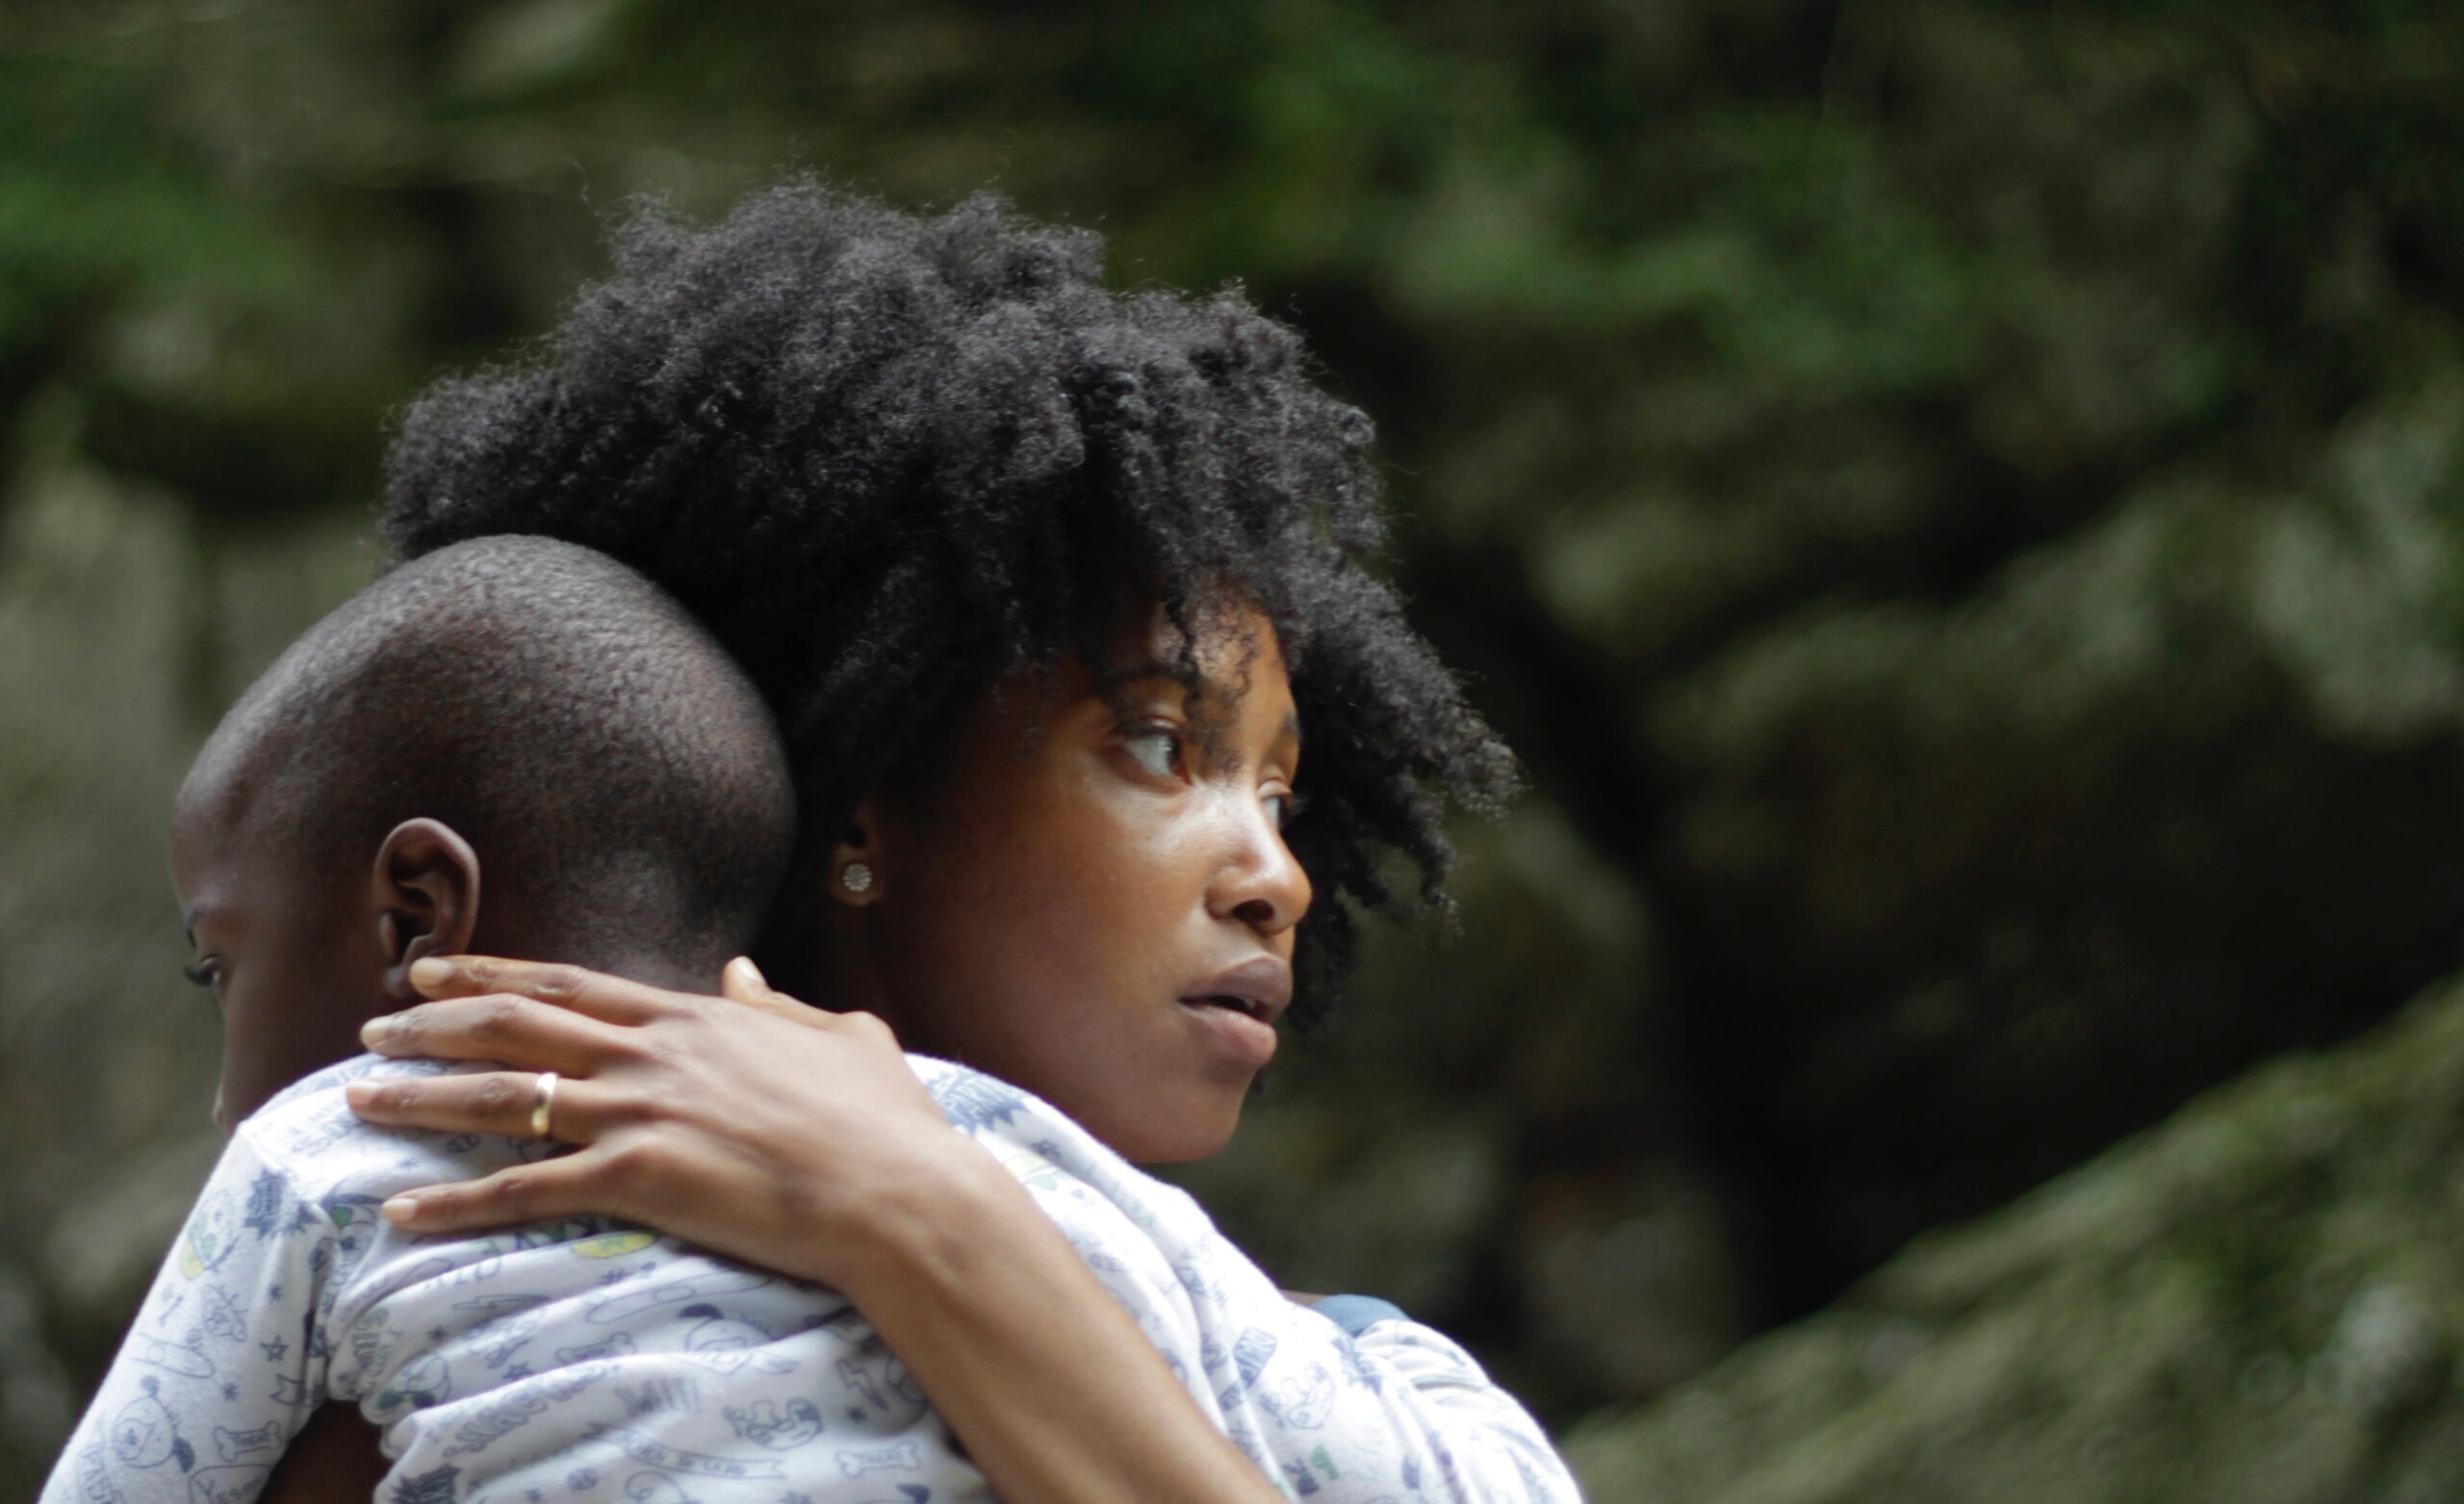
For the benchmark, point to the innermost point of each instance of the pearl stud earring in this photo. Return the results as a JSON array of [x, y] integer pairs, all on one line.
[[855, 876]]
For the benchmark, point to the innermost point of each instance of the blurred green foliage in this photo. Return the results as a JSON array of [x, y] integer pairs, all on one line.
[[1956, 499]]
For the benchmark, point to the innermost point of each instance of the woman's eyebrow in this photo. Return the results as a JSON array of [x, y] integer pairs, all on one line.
[[1121, 676]]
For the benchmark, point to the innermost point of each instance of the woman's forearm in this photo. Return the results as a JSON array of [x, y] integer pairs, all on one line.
[[1000, 1263], [1394, 1410], [1057, 1394]]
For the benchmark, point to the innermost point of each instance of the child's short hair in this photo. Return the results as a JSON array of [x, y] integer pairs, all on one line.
[[604, 755]]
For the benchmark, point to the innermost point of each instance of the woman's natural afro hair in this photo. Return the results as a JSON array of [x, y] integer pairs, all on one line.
[[890, 458]]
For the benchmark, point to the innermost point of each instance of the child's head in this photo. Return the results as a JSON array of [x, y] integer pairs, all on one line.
[[511, 707]]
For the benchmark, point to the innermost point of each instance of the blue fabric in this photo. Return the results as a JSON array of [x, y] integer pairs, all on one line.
[[1355, 1313]]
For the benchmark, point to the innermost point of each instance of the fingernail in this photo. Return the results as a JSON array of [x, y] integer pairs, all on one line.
[[428, 971], [745, 974], [401, 1210], [375, 1031]]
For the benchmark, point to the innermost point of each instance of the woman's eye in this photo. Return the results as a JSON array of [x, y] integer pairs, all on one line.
[[1281, 807], [1159, 752], [201, 974]]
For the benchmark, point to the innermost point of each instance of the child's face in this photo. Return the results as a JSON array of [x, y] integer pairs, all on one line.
[[1094, 900], [294, 963]]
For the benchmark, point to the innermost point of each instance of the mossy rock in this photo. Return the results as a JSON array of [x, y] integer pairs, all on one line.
[[2260, 1301]]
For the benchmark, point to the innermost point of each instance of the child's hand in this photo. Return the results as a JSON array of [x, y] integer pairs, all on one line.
[[749, 1123]]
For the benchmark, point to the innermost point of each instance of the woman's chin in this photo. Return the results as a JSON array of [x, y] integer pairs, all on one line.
[[1194, 1132]]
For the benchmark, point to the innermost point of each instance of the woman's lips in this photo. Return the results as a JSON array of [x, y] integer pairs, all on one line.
[[1259, 988], [1247, 1040], [1238, 1005]]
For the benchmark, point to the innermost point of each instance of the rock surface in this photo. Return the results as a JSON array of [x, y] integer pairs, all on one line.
[[2261, 1301]]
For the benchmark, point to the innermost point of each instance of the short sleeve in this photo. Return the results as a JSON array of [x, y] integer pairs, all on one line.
[[1487, 1446], [223, 1362]]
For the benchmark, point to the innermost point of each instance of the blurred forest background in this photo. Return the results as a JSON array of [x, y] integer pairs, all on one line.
[[1960, 503]]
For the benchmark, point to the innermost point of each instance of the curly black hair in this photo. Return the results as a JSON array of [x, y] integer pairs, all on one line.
[[889, 457]]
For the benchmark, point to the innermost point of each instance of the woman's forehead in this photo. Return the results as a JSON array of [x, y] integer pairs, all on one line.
[[1222, 668], [1218, 655]]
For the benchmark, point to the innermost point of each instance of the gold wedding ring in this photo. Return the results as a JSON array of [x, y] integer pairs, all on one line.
[[543, 1101]]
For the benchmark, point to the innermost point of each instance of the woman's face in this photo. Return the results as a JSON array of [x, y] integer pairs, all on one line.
[[1091, 896]]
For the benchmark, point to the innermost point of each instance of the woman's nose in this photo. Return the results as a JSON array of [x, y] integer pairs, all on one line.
[[1261, 884]]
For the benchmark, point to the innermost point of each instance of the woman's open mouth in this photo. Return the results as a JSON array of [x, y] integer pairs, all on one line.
[[1238, 1005], [1248, 1007], [1258, 988], [1237, 1028]]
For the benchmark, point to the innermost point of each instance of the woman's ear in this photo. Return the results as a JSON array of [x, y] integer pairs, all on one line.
[[856, 861], [427, 898]]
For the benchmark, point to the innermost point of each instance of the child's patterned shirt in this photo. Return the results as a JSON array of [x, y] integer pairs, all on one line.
[[591, 1359]]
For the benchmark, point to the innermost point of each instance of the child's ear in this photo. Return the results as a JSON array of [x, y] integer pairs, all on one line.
[[427, 898]]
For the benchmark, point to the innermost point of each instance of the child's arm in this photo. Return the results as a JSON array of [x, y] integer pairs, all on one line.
[[219, 1368]]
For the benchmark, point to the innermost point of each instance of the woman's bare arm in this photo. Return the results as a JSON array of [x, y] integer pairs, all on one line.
[[1053, 1388], [800, 1141]]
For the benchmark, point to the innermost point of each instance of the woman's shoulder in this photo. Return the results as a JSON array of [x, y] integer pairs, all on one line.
[[1357, 1313]]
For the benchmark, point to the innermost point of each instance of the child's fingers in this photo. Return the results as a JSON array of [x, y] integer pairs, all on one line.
[[535, 1037], [506, 1103], [556, 1187], [593, 994]]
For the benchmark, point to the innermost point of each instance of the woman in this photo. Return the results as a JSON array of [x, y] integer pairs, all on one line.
[[1048, 586]]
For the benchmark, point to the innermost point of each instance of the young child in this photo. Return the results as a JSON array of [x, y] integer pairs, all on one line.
[[535, 715]]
